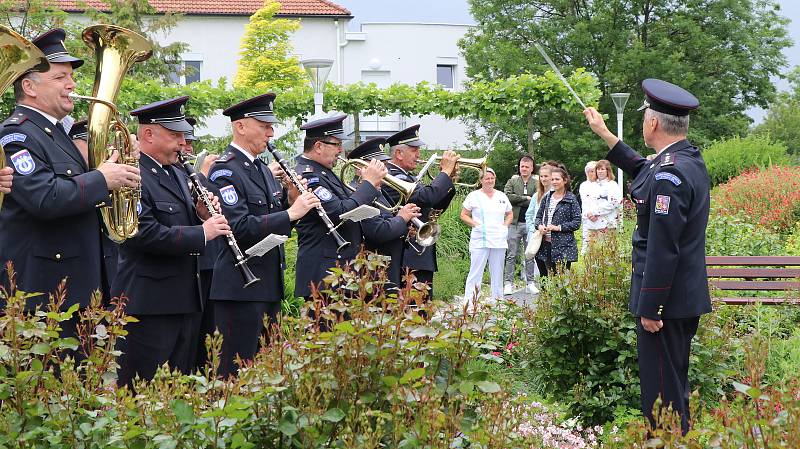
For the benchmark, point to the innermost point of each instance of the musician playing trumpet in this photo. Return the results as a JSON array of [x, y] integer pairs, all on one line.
[[256, 205], [404, 150], [386, 233]]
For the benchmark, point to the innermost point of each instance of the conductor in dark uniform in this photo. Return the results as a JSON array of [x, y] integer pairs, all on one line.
[[404, 151], [256, 206], [386, 233], [158, 269], [317, 249], [79, 133], [669, 285], [50, 227]]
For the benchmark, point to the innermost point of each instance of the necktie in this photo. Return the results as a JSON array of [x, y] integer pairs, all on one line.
[[60, 127]]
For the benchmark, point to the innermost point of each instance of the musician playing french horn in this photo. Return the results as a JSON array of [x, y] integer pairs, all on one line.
[[433, 198], [50, 226], [256, 206]]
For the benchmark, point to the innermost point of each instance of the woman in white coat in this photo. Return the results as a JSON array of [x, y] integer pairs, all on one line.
[[605, 204], [488, 212]]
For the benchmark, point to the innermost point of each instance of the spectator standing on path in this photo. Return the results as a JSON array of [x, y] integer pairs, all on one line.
[[558, 217], [605, 204], [488, 212], [588, 194], [519, 190], [669, 283]]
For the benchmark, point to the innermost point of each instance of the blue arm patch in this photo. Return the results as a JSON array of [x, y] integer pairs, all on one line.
[[218, 173], [669, 177], [13, 137]]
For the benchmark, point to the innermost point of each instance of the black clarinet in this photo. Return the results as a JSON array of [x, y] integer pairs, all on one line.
[[233, 246], [340, 241]]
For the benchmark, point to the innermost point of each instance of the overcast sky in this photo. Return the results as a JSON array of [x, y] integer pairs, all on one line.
[[457, 11]]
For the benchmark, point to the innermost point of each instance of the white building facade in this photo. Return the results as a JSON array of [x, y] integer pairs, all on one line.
[[380, 53]]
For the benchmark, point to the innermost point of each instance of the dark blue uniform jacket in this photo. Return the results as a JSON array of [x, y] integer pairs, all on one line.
[[49, 224], [671, 194], [253, 203], [316, 252], [158, 269]]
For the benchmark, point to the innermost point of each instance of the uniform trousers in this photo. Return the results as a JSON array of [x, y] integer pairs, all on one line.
[[478, 259], [664, 366], [155, 340], [241, 324], [517, 241], [207, 324]]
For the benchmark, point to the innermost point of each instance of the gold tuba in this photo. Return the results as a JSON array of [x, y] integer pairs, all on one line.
[[18, 56], [404, 188], [116, 49]]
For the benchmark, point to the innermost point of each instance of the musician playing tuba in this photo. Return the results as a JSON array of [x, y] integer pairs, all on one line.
[[50, 222], [404, 149]]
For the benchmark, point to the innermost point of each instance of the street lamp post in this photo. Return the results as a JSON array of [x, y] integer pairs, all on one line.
[[317, 70], [620, 99]]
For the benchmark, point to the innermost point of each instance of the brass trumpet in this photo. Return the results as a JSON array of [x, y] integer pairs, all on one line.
[[18, 56], [477, 164], [404, 188], [426, 234]]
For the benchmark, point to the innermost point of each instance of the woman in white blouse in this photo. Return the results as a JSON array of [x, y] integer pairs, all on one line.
[[488, 212], [588, 192], [603, 213]]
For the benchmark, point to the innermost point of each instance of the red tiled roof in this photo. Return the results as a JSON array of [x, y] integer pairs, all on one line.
[[224, 7]]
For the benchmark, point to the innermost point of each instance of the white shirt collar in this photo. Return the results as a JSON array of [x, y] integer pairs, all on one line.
[[397, 167], [673, 143], [49, 117], [246, 153]]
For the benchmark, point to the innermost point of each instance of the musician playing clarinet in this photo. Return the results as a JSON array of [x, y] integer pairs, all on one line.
[[256, 205], [158, 268]]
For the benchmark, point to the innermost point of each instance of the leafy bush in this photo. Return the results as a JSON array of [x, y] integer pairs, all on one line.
[[582, 339], [793, 242], [726, 159], [383, 378], [735, 235], [767, 197]]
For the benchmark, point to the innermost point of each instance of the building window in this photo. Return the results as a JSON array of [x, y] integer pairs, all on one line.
[[445, 75], [192, 71], [186, 72]]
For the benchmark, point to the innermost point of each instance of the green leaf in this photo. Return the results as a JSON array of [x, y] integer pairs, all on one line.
[[412, 374], [333, 415], [40, 348], [183, 411], [488, 387]]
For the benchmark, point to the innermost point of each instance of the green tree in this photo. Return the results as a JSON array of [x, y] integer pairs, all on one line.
[[724, 51], [782, 122], [266, 54], [141, 17]]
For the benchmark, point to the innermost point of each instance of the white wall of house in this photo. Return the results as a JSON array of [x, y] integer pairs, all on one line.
[[384, 53], [408, 53]]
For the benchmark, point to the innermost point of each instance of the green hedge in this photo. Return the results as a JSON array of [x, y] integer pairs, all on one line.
[[728, 158]]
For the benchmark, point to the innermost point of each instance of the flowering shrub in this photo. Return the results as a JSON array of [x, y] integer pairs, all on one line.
[[767, 197]]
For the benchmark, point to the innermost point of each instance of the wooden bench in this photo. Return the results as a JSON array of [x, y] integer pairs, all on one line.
[[755, 273]]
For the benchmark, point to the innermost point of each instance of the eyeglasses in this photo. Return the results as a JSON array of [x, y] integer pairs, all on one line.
[[336, 144]]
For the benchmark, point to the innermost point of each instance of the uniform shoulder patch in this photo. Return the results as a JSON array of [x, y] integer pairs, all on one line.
[[669, 177], [16, 119], [669, 159], [313, 180], [13, 137], [307, 169], [229, 195], [662, 204], [219, 173], [23, 162], [226, 157], [323, 194]]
